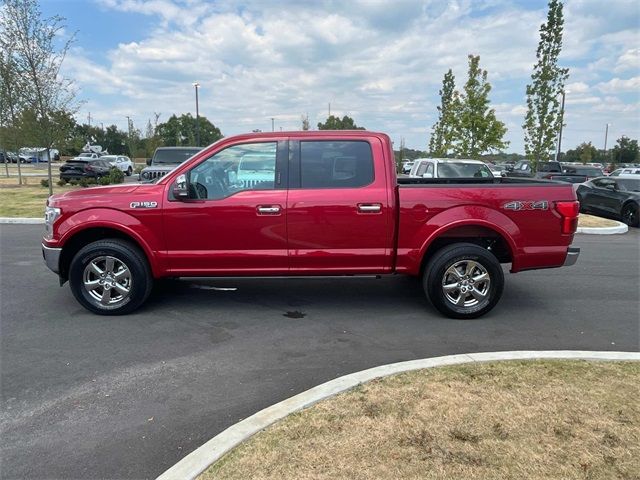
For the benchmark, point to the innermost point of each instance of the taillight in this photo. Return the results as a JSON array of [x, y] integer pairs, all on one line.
[[569, 212]]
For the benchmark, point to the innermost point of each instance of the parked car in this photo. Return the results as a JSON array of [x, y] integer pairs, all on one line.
[[317, 203], [86, 156], [406, 167], [625, 171], [164, 160], [524, 169], [122, 163], [497, 170], [449, 168], [616, 197], [584, 170], [86, 168]]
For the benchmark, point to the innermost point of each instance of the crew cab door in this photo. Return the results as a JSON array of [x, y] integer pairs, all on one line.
[[234, 221], [339, 218]]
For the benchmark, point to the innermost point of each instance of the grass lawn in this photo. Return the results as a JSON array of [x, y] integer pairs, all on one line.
[[585, 220], [517, 419], [26, 200]]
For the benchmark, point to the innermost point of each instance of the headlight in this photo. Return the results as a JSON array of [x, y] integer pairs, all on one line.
[[51, 214]]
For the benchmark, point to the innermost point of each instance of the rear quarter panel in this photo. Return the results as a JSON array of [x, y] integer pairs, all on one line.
[[533, 236]]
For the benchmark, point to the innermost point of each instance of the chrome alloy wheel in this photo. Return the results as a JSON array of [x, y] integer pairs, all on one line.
[[466, 284], [107, 280]]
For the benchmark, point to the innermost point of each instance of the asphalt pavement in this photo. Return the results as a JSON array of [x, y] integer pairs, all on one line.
[[85, 396]]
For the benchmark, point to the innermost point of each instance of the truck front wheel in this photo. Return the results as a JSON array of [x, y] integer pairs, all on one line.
[[463, 280], [110, 277]]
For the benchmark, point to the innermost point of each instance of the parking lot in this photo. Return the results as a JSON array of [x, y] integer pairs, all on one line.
[[126, 397]]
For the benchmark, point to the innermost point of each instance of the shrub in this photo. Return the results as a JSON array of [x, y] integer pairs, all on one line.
[[106, 180], [61, 182], [84, 182], [73, 182], [138, 168], [116, 175], [44, 182]]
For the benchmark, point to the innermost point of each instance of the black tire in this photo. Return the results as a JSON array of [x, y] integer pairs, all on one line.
[[129, 172], [464, 256], [138, 283], [629, 214]]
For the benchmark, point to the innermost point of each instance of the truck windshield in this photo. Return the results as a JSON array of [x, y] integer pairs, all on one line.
[[463, 170], [173, 156]]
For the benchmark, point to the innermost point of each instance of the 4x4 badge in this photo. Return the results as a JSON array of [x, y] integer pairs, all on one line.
[[143, 204], [519, 205]]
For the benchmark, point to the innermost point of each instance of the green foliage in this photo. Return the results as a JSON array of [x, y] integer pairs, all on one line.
[[181, 131], [544, 117], [83, 182], [626, 151], [477, 129], [106, 180], [44, 183], [61, 182], [73, 182], [443, 132], [116, 175], [337, 123]]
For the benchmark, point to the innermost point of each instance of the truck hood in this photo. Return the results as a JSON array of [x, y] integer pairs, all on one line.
[[121, 189]]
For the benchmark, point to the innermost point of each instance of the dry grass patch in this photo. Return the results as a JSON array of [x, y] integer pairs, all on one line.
[[585, 220], [533, 419], [25, 200]]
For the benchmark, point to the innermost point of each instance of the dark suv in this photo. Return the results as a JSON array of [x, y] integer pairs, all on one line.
[[164, 160], [545, 169]]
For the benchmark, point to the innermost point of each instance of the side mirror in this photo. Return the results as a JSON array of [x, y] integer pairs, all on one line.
[[148, 161], [427, 175], [180, 188]]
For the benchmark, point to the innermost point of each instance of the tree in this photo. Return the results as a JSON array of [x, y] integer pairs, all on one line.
[[32, 40], [305, 122], [586, 152], [543, 118], [11, 100], [181, 131], [443, 131], [477, 129], [335, 123], [626, 151]]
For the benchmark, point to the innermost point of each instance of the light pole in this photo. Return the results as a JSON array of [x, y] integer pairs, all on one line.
[[606, 135], [561, 122], [196, 85], [272, 125]]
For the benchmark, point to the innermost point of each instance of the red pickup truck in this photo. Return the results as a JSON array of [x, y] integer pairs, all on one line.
[[307, 203]]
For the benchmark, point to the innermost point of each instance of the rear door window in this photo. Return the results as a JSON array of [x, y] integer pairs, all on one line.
[[335, 164]]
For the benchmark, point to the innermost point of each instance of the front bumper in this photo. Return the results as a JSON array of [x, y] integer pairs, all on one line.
[[572, 256], [52, 258]]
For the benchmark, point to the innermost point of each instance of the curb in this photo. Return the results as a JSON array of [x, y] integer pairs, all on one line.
[[200, 459], [21, 221], [620, 228]]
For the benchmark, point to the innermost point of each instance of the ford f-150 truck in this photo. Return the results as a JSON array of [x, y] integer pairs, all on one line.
[[301, 204]]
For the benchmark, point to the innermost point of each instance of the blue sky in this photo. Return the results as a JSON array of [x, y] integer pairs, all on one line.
[[381, 62]]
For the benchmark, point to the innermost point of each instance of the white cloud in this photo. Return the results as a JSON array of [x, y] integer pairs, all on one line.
[[618, 85], [382, 65]]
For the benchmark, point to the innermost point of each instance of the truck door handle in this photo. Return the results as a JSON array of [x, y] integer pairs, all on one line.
[[268, 209], [369, 208]]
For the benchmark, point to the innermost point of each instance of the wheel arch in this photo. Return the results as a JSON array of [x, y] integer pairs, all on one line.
[[80, 238]]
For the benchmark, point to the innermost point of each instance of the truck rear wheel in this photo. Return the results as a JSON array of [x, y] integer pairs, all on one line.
[[110, 277], [463, 280]]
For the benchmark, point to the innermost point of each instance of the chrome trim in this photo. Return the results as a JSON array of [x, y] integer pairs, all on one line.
[[269, 210], [572, 256], [376, 208], [52, 258]]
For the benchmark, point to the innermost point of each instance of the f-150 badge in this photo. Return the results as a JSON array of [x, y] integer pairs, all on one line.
[[143, 204], [518, 205]]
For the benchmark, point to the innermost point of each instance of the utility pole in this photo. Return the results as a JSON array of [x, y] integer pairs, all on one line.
[[129, 135], [329, 110], [273, 128], [561, 122], [197, 85], [89, 119]]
